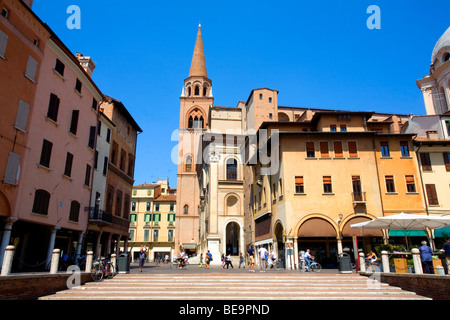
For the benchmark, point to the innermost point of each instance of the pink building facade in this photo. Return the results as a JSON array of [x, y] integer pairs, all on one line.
[[52, 207]]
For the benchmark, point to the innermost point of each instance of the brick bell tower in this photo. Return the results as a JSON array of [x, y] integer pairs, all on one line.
[[195, 102]]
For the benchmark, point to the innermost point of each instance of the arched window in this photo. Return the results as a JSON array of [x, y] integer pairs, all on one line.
[[41, 202], [205, 91], [186, 209], [189, 91], [74, 211], [446, 57], [231, 169], [196, 123], [188, 164], [197, 90]]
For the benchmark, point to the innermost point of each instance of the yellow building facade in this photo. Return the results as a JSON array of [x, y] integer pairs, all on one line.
[[152, 215]]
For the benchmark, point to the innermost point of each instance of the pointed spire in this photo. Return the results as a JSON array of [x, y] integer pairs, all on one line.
[[198, 65]]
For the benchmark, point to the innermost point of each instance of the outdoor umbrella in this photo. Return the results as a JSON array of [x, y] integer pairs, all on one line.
[[405, 221]]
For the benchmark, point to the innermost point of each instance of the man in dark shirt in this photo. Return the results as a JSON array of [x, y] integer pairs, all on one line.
[[251, 258]]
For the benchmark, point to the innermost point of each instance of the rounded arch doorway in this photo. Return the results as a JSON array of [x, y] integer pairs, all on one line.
[[232, 238]]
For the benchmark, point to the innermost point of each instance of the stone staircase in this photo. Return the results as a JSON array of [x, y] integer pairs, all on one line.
[[249, 286]]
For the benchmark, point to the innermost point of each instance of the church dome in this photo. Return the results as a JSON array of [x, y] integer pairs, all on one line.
[[443, 42]]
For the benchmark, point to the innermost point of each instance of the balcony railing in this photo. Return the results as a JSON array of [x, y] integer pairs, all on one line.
[[359, 197], [98, 215]]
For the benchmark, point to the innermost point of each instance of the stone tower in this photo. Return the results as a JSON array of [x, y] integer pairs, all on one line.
[[195, 102]]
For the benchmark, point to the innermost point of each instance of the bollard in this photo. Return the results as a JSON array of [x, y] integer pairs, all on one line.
[[89, 259], [8, 260], [55, 261], [362, 262], [113, 262], [385, 261], [417, 261]]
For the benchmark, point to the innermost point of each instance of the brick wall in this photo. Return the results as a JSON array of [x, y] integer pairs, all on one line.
[[33, 286], [427, 285]]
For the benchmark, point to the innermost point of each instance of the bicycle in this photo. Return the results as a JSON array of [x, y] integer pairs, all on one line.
[[314, 266], [102, 268], [179, 263], [278, 264]]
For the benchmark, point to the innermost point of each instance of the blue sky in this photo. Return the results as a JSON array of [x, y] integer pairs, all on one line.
[[316, 53]]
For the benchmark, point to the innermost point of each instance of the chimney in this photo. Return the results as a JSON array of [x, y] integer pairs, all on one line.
[[29, 3], [432, 135], [87, 63]]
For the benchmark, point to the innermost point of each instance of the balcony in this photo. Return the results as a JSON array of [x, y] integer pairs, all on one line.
[[359, 198], [100, 216]]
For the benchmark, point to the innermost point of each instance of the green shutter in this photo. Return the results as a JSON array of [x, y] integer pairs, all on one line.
[[133, 217], [148, 217]]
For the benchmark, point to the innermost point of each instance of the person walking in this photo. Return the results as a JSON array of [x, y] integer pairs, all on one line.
[[228, 261], [142, 257], [251, 259], [446, 250], [241, 261], [208, 258], [427, 260], [273, 257], [262, 259]]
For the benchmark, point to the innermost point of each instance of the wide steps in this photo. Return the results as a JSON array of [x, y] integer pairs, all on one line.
[[236, 287]]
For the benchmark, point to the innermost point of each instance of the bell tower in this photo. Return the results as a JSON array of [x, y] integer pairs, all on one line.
[[195, 102]]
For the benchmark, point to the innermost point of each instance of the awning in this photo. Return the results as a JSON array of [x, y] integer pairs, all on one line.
[[442, 233], [409, 233], [192, 246]]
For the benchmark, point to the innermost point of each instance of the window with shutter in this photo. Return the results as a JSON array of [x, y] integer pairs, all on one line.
[[327, 187], [338, 149], [53, 107], [324, 149], [74, 122], [404, 148], [41, 202], [12, 169], [3, 43], [74, 211], [390, 185], [31, 69], [46, 153], [87, 177], [431, 194], [59, 67], [447, 160], [410, 184], [22, 115], [425, 161], [299, 185], [68, 167], [352, 149], [92, 134], [310, 150], [147, 218]]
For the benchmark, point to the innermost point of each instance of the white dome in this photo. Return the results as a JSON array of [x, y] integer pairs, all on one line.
[[444, 41]]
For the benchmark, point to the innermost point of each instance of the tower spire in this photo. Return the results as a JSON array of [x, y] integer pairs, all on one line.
[[198, 65]]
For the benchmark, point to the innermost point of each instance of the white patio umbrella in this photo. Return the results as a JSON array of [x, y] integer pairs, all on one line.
[[405, 221]]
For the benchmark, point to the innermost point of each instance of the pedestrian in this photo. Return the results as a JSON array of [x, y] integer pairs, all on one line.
[[427, 260], [208, 259], [446, 250], [251, 259], [201, 260], [241, 261], [142, 257], [273, 257], [228, 261], [223, 260], [308, 259], [262, 258]]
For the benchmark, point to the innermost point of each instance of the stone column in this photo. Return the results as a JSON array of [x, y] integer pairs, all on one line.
[[362, 262], [108, 245], [114, 261], [417, 261], [8, 260], [79, 245], [296, 253], [55, 261], [89, 260], [385, 261], [51, 245], [6, 236], [117, 244], [97, 244]]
